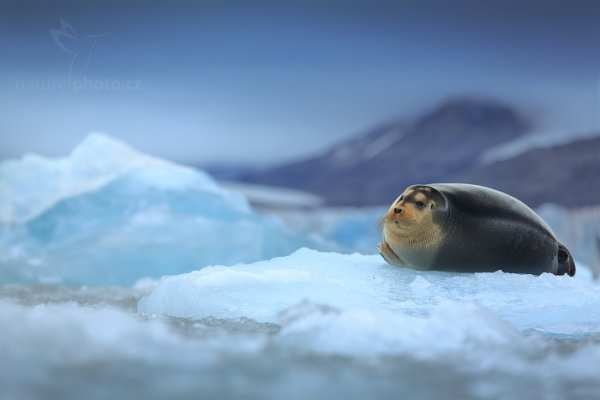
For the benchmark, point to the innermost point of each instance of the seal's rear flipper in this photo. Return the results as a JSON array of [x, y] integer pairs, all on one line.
[[566, 265]]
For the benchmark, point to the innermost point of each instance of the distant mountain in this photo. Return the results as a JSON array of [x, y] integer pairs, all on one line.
[[372, 168], [443, 145]]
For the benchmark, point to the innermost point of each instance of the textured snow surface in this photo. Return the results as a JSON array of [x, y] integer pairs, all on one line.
[[535, 335], [109, 214], [383, 296]]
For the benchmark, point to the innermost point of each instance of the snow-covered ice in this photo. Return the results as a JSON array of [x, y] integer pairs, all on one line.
[[548, 304], [541, 331], [109, 214]]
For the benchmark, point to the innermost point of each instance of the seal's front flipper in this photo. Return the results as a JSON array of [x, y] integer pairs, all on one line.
[[566, 265], [388, 255]]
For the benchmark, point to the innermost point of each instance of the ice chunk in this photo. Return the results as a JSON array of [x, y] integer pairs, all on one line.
[[548, 304], [450, 329], [262, 289], [109, 214], [34, 184]]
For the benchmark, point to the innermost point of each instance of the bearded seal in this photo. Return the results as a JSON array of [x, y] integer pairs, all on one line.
[[468, 228]]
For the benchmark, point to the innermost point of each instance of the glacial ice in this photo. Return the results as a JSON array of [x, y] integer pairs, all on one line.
[[109, 214], [579, 230], [358, 292]]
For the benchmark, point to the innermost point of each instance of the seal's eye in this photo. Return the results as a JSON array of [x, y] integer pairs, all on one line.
[[420, 204]]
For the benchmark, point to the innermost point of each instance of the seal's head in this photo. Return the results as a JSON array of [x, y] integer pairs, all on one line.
[[414, 210]]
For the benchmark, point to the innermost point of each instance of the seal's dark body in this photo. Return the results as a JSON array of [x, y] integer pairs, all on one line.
[[486, 230]]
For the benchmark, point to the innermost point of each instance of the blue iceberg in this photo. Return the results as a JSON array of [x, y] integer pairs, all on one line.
[[108, 214]]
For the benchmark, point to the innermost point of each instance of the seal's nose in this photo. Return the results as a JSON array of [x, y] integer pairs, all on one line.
[[398, 210]]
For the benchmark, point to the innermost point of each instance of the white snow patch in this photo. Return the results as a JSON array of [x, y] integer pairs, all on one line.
[[381, 144], [270, 197], [535, 140]]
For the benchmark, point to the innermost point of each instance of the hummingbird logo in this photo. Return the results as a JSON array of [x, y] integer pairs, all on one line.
[[78, 47]]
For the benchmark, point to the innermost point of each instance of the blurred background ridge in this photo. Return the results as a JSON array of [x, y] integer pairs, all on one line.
[[448, 144]]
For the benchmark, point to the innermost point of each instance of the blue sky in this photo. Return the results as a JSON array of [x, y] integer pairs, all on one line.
[[265, 82]]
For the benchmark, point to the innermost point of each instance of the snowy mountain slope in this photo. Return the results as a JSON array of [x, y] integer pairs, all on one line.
[[536, 140], [370, 169], [566, 174]]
